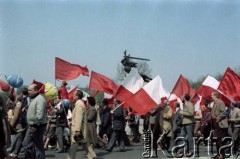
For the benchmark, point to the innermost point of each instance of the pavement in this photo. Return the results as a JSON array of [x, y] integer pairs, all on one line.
[[134, 151]]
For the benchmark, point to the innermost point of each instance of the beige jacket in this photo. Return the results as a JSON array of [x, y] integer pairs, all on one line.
[[167, 115], [219, 110], [79, 119], [188, 113]]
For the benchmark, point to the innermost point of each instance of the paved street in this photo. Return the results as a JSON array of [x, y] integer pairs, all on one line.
[[132, 152]]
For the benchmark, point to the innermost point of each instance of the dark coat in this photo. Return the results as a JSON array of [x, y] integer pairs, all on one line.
[[118, 119], [176, 121], [105, 116], [61, 117], [91, 125]]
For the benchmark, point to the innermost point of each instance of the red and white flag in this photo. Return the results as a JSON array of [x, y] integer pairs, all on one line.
[[131, 84], [209, 85], [148, 96]]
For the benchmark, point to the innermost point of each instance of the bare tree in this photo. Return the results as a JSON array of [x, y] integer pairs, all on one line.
[[142, 67]]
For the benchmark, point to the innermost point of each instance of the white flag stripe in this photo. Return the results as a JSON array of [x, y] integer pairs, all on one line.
[[155, 89], [211, 82], [107, 96], [133, 82]]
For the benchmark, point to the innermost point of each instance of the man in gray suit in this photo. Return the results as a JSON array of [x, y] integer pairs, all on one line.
[[219, 122]]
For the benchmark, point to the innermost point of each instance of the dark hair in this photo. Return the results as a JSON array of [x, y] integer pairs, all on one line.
[[11, 97], [79, 94], [52, 103], [177, 104], [91, 101], [64, 83], [206, 101], [187, 97], [105, 102], [25, 91], [237, 105]]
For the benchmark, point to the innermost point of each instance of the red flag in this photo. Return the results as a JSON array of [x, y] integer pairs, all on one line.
[[100, 82], [41, 86], [182, 87], [67, 71], [71, 94], [230, 84]]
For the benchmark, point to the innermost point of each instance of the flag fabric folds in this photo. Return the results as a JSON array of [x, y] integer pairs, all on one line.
[[99, 82], [131, 84], [148, 96], [230, 84], [67, 71], [71, 94], [209, 85], [182, 87]]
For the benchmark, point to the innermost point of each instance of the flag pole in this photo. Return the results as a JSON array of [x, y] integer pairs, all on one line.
[[118, 106]]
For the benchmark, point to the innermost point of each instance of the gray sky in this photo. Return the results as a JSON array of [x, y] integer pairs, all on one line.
[[189, 37]]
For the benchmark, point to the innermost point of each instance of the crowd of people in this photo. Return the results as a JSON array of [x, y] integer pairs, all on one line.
[[28, 126]]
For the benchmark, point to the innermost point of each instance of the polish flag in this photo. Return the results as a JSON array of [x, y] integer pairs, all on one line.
[[131, 84], [148, 96], [209, 85]]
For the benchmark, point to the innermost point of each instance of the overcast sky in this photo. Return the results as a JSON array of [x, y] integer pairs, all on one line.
[[188, 37]]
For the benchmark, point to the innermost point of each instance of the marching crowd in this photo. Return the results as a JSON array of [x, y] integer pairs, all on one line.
[[28, 126]]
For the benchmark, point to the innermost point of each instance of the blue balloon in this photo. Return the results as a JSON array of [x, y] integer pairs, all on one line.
[[66, 103], [15, 81]]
